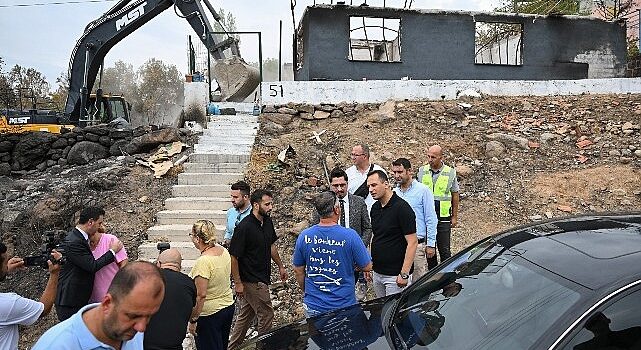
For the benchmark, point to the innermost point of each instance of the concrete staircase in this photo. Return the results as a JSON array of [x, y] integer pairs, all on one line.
[[202, 192]]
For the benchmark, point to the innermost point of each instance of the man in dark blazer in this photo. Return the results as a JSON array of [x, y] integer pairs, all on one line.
[[354, 215], [75, 281]]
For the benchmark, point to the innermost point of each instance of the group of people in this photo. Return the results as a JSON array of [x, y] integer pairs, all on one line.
[[367, 231], [390, 234]]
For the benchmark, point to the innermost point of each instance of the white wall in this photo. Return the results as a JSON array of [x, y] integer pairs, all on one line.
[[376, 91]]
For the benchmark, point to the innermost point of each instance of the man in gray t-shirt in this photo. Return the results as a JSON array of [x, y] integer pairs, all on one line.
[[441, 179]]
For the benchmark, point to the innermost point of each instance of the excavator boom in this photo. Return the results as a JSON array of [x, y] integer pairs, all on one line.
[[123, 19]]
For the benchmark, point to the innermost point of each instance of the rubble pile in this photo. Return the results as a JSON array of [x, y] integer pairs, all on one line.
[[519, 159]]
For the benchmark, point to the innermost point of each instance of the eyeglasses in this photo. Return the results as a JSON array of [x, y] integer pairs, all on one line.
[[354, 155]]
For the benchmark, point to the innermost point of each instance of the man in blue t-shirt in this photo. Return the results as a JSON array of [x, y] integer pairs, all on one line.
[[325, 257]]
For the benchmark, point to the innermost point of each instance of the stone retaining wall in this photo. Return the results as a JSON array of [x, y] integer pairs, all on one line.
[[40, 150]]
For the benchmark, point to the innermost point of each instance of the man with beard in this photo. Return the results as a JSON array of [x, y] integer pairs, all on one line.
[[117, 322], [251, 248], [239, 210]]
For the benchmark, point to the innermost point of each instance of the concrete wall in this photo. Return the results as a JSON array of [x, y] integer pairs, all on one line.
[[440, 45], [375, 91]]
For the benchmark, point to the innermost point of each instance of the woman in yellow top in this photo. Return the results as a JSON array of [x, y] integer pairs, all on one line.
[[212, 316]]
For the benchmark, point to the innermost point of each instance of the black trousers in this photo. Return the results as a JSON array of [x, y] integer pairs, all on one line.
[[443, 238], [64, 312]]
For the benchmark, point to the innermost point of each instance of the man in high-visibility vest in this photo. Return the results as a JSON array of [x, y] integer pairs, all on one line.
[[441, 179]]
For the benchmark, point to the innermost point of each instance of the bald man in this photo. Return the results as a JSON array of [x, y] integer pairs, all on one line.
[[441, 179], [135, 294], [168, 326]]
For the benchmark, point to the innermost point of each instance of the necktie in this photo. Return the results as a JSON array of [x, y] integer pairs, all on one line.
[[342, 222]]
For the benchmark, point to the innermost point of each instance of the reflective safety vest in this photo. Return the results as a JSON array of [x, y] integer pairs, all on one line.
[[440, 189]]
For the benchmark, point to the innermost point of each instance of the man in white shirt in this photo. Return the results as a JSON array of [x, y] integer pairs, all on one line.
[[16, 310], [357, 174]]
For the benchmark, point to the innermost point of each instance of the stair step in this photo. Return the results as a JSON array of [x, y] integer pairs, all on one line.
[[189, 217], [208, 178], [214, 168], [223, 149], [149, 251], [227, 157], [198, 203], [201, 190], [225, 141], [174, 233]]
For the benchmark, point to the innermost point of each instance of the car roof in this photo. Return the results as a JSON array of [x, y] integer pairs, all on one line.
[[594, 251]]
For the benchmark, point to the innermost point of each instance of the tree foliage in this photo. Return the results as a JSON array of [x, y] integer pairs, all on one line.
[[613, 9], [21, 87], [227, 23], [160, 88], [544, 7]]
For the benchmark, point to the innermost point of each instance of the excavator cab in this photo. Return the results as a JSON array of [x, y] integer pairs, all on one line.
[[104, 108]]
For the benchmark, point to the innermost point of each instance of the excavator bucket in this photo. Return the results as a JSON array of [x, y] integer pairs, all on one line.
[[236, 79]]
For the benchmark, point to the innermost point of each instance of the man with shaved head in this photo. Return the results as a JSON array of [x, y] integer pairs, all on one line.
[[441, 179], [167, 328], [118, 322]]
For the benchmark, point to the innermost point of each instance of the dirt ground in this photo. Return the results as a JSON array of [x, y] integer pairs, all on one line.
[[130, 195], [545, 169]]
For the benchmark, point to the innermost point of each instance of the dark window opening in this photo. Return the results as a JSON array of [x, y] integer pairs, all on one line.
[[499, 43], [374, 39]]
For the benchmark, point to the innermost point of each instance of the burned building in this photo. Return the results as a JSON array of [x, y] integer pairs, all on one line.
[[340, 42]]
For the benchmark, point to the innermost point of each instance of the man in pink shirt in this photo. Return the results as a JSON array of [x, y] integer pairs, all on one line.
[[99, 244]]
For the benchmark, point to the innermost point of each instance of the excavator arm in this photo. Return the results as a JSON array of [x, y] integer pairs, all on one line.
[[123, 19]]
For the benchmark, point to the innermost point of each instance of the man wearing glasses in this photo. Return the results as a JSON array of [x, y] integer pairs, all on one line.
[[239, 210], [358, 173]]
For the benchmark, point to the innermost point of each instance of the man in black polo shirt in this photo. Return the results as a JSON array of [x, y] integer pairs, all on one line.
[[393, 237], [251, 248]]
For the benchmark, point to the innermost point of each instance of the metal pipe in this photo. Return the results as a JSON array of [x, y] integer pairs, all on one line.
[[208, 69], [280, 50]]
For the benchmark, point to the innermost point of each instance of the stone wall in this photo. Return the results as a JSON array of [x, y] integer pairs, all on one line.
[[285, 114], [40, 150]]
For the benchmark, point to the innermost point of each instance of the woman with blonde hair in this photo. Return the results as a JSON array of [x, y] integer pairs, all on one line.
[[212, 316]]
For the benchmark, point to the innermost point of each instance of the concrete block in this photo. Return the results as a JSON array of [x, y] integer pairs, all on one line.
[[189, 217], [214, 168], [198, 203], [219, 158], [209, 178], [175, 232], [200, 190], [148, 251]]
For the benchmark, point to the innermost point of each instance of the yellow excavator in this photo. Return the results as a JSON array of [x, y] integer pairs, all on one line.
[[235, 77]]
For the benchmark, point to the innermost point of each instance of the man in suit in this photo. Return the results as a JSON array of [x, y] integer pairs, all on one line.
[[354, 215], [75, 282]]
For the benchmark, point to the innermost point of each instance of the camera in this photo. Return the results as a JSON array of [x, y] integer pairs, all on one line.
[[49, 239], [162, 246]]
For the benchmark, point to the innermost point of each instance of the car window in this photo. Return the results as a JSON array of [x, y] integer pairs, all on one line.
[[617, 326], [488, 298]]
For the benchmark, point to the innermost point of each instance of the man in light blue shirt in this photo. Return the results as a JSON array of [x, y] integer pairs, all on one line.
[[135, 294], [421, 199], [241, 207]]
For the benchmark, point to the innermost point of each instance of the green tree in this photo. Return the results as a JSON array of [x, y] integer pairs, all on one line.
[[120, 79], [160, 92], [543, 7], [227, 23], [6, 93], [59, 96], [613, 9], [31, 85]]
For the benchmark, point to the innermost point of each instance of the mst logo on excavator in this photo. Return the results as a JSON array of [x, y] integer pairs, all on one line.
[[19, 120], [131, 16]]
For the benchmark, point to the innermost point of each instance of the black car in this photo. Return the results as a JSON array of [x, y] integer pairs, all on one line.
[[573, 283]]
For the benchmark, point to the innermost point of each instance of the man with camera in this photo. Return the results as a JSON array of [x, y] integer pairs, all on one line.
[[16, 310]]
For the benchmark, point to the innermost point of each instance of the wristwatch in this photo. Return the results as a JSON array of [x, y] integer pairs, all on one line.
[[404, 275]]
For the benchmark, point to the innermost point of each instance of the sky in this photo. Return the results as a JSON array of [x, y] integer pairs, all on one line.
[[42, 37]]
